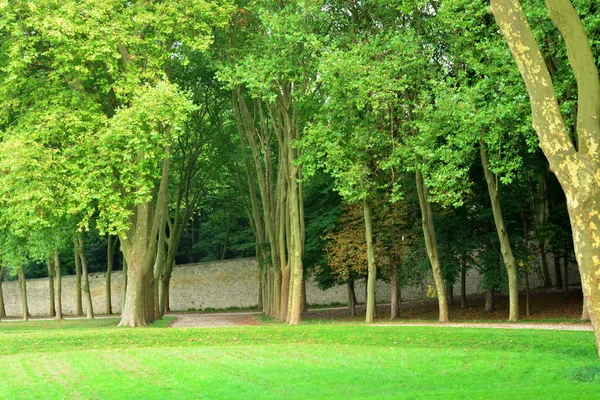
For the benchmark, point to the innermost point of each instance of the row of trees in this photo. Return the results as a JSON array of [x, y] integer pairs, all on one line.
[[119, 116]]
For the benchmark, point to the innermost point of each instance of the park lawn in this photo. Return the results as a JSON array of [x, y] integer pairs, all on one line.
[[302, 362]]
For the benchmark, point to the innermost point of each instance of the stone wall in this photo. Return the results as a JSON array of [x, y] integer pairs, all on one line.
[[222, 284]]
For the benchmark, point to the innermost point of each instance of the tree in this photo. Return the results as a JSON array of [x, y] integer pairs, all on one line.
[[576, 165]]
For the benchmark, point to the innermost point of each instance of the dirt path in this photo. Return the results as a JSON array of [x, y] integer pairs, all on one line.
[[214, 320], [249, 319], [548, 327]]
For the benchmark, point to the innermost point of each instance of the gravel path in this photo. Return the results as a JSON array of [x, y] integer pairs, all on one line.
[[213, 320], [548, 327], [248, 319]]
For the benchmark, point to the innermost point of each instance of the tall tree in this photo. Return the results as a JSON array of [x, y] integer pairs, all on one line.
[[576, 165]]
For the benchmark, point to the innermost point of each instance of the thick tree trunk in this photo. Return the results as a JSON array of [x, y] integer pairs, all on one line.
[[576, 169], [585, 315], [52, 309], [489, 301], [2, 308], [86, 279], [124, 289], [431, 245], [58, 284], [463, 282], [351, 298], [78, 298], [110, 253], [372, 268], [23, 291], [505, 247]]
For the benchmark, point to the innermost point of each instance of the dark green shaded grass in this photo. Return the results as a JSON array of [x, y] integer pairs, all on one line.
[[301, 362]]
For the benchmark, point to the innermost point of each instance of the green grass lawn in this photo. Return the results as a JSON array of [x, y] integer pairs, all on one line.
[[94, 359]]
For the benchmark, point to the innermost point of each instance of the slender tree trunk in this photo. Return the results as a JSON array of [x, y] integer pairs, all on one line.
[[505, 247], [110, 253], [52, 309], [558, 270], [2, 309], [489, 301], [527, 302], [86, 278], [566, 276], [372, 268], [304, 299], [23, 290], [450, 294], [463, 282], [78, 299], [545, 269], [351, 298], [58, 274], [395, 298], [432, 250]]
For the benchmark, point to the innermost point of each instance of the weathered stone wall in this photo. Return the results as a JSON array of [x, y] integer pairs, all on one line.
[[222, 284]]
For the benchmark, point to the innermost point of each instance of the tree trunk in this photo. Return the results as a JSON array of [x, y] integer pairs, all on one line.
[[557, 270], [450, 294], [23, 290], [110, 253], [78, 299], [124, 290], [505, 247], [431, 244], [566, 276], [463, 282], [86, 278], [52, 309], [489, 301], [585, 315], [2, 308], [351, 298], [527, 302], [372, 268], [58, 274], [545, 269], [395, 298], [139, 248], [576, 169], [304, 299]]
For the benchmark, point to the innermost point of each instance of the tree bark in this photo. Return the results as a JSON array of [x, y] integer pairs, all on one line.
[[351, 298], [139, 248], [505, 247], [2, 308], [395, 298], [52, 309], [576, 169], [86, 278], [558, 270], [431, 245], [489, 301], [527, 302], [585, 315], [124, 290], [58, 274], [78, 299], [463, 282], [110, 253], [372, 268], [566, 276], [23, 291]]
